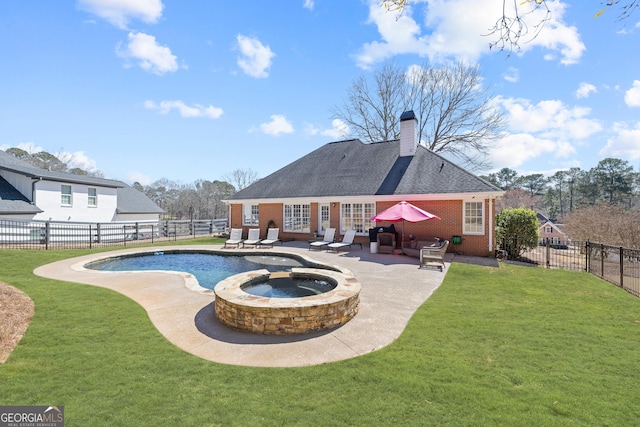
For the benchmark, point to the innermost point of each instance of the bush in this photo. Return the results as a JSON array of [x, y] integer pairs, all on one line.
[[517, 231]]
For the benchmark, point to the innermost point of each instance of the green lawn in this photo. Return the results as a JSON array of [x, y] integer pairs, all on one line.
[[512, 346]]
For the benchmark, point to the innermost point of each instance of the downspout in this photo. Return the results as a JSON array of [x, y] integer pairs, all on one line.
[[490, 224], [33, 190]]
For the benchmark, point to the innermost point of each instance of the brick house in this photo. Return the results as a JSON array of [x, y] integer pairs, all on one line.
[[343, 184]]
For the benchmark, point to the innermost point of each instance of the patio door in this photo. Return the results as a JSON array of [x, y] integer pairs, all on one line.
[[323, 218]]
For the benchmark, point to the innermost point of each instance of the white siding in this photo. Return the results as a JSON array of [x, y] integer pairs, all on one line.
[[19, 182], [48, 199]]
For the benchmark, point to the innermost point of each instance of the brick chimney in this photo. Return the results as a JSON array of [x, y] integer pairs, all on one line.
[[408, 134]]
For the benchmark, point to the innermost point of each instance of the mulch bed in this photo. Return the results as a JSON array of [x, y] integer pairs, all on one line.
[[16, 312]]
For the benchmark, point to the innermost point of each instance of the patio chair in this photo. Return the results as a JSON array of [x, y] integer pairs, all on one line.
[[347, 242], [272, 237], [433, 256], [328, 237], [253, 239], [386, 243], [235, 238]]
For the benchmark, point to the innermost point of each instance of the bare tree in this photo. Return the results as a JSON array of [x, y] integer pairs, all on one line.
[[512, 26], [455, 114], [605, 223], [241, 178], [518, 198], [373, 113]]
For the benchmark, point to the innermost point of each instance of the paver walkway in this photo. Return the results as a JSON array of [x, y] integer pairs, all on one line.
[[393, 287]]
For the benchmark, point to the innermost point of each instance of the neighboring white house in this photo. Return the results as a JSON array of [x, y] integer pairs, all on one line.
[[30, 193]]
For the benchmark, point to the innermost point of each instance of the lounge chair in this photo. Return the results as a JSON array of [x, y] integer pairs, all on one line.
[[253, 239], [235, 238], [433, 255], [272, 237], [328, 237], [347, 242]]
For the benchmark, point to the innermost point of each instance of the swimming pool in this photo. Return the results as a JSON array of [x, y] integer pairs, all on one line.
[[207, 267]]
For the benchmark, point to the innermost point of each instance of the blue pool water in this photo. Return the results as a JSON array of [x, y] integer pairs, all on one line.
[[288, 287], [208, 268]]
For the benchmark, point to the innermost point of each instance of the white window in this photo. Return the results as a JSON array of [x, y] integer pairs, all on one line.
[[473, 218], [65, 195], [250, 215], [357, 216], [92, 197], [297, 218]]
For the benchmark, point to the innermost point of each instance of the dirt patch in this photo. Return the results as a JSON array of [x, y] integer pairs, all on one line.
[[16, 312]]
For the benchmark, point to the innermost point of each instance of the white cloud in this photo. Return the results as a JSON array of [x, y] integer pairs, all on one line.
[[546, 128], [625, 144], [339, 129], [138, 177], [585, 90], [77, 159], [197, 110], [150, 55], [632, 96], [308, 4], [277, 126], [515, 149], [512, 75], [549, 118], [459, 28], [120, 12], [556, 36], [310, 129], [255, 58]]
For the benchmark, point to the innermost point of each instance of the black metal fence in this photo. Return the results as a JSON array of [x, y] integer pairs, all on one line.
[[16, 234], [615, 264]]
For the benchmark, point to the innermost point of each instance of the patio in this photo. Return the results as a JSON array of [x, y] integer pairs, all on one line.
[[393, 287]]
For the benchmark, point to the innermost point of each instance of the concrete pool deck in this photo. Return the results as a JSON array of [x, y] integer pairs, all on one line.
[[393, 287]]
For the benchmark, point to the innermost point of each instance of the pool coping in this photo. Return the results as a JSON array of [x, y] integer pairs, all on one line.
[[393, 287]]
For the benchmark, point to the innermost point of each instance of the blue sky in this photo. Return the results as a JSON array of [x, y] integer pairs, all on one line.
[[187, 90]]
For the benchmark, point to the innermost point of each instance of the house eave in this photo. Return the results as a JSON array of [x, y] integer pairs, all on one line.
[[370, 198]]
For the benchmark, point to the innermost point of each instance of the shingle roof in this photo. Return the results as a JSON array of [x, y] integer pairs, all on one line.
[[132, 201], [13, 164], [12, 201], [352, 168]]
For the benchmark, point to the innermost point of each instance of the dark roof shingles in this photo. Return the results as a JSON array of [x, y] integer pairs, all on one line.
[[352, 168]]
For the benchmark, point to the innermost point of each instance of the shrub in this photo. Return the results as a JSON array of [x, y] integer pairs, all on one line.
[[517, 231]]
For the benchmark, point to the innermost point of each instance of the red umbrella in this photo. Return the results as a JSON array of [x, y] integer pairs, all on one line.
[[403, 211]]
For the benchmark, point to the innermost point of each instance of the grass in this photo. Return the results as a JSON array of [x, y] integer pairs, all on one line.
[[507, 346]]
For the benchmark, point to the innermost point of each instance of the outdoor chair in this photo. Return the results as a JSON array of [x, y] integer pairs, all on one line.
[[386, 243], [235, 238], [328, 237], [253, 239], [433, 256], [347, 242], [272, 237], [412, 248]]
